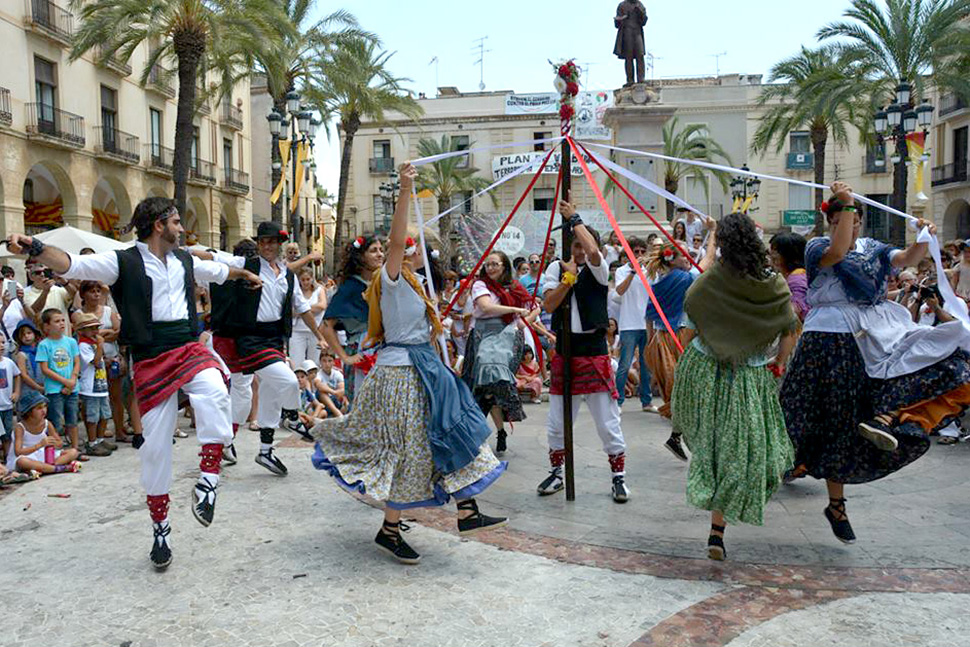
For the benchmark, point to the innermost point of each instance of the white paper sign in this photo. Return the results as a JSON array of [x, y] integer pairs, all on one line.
[[511, 241]]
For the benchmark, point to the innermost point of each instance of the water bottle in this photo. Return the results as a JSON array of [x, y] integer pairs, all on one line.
[[49, 454]]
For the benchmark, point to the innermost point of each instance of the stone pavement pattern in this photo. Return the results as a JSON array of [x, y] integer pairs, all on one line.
[[290, 562]]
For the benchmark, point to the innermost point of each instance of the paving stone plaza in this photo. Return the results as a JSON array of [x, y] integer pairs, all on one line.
[[291, 562]]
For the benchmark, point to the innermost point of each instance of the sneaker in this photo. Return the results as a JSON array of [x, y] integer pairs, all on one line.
[[204, 502], [649, 408], [676, 447], [879, 435], [270, 462], [229, 455], [96, 449], [552, 483], [500, 445], [180, 434], [161, 555], [620, 491], [396, 547], [296, 426]]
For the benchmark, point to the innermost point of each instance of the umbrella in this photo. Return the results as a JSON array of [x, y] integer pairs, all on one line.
[[73, 240]]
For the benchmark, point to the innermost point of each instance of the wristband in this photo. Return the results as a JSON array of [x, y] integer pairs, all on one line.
[[568, 278], [575, 220], [36, 247], [850, 207]]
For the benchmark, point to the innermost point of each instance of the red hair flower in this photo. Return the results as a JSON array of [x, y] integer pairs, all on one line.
[[409, 242], [572, 88], [566, 112], [669, 253], [359, 242], [824, 207]]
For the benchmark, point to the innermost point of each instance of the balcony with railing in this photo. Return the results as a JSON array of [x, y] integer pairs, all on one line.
[[236, 181], [6, 116], [115, 144], [231, 116], [159, 80], [54, 126], [50, 20], [112, 63], [872, 165], [202, 172], [800, 161], [381, 164], [950, 103], [951, 173], [160, 159]]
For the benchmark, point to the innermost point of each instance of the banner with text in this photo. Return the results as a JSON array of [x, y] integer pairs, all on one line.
[[590, 109], [503, 165]]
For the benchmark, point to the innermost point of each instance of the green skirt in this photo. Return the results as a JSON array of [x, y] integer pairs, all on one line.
[[734, 427]]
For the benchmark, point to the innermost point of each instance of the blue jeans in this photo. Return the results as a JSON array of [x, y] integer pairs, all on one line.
[[62, 410], [633, 341]]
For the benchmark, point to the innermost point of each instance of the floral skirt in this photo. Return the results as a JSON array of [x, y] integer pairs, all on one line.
[[733, 425], [827, 393], [382, 449]]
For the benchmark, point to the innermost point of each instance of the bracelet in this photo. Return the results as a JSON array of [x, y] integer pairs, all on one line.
[[575, 220], [36, 247], [850, 207], [568, 278]]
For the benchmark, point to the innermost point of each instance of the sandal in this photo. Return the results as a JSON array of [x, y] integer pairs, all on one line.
[[948, 440], [715, 544], [390, 541], [476, 520], [17, 477], [841, 528]]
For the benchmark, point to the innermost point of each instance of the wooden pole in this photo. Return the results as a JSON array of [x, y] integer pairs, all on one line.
[[567, 354]]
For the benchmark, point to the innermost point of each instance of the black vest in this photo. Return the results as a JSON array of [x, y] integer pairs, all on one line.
[[591, 296], [235, 307], [132, 293]]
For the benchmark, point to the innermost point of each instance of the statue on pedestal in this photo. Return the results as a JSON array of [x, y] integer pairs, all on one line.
[[630, 18]]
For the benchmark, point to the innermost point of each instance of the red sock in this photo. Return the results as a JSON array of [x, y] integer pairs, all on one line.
[[211, 458], [618, 463], [235, 428], [557, 457], [158, 507]]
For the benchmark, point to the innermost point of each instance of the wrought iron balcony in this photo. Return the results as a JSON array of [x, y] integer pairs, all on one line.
[[950, 173], [160, 158], [201, 171], [113, 63], [950, 103], [50, 20], [116, 144], [236, 181], [381, 164], [6, 116], [159, 81], [232, 116], [55, 125], [800, 161], [872, 165]]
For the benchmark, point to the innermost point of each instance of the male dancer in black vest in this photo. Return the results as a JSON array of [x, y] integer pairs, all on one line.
[[265, 319], [153, 284], [585, 280]]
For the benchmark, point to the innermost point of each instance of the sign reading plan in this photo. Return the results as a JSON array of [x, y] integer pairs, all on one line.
[[503, 165]]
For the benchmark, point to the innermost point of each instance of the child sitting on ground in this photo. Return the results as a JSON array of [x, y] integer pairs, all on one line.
[[94, 384], [310, 408], [528, 379], [36, 444], [329, 382]]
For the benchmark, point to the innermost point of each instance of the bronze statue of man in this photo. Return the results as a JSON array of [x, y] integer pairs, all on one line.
[[630, 18]]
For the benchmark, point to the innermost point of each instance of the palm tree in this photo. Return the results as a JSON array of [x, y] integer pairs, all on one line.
[[324, 196], [197, 35], [447, 179], [287, 61], [815, 90], [356, 84], [692, 142]]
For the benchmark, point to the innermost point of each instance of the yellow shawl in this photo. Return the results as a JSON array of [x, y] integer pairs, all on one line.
[[375, 321]]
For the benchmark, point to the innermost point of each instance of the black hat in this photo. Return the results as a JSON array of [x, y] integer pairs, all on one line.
[[271, 230]]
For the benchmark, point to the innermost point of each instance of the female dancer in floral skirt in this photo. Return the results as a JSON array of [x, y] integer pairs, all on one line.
[[725, 400], [415, 436], [866, 384]]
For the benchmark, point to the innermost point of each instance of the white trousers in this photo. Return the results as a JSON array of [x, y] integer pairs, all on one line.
[[303, 346], [606, 417], [278, 389], [210, 400], [241, 396]]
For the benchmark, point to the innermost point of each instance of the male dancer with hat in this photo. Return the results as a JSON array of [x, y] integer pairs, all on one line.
[[153, 284], [263, 319]]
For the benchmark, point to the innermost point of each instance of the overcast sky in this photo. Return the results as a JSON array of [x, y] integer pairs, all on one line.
[[524, 34]]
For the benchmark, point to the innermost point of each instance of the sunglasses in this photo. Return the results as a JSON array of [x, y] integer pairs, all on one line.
[[536, 262]]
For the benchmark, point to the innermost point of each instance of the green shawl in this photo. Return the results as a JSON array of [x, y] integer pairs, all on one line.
[[739, 317]]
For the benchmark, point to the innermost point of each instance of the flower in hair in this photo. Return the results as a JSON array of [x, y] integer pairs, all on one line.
[[359, 242], [824, 207], [409, 242], [435, 254], [669, 253]]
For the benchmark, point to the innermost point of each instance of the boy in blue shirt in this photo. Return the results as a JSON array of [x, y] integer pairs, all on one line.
[[59, 360]]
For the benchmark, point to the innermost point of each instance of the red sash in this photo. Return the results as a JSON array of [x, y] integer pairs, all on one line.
[[159, 377], [590, 375]]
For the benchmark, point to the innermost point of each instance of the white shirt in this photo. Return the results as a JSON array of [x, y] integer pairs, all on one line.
[[8, 371], [274, 290], [168, 278], [693, 228], [335, 380], [550, 279], [479, 289], [633, 302], [298, 324]]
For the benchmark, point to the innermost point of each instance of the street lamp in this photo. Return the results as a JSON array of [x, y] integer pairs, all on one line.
[[304, 126], [389, 193], [743, 186], [902, 117]]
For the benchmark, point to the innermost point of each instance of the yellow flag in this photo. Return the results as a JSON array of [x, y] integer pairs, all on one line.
[[747, 204], [736, 207], [302, 151], [285, 158]]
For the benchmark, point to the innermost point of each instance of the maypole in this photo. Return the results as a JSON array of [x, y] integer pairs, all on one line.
[[567, 83]]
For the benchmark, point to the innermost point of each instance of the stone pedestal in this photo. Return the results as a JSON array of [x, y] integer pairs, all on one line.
[[637, 120]]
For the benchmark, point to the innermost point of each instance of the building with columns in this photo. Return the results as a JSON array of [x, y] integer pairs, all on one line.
[[951, 181], [83, 144]]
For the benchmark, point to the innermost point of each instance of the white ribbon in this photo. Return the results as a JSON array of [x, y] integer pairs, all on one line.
[[427, 268], [951, 302], [421, 161]]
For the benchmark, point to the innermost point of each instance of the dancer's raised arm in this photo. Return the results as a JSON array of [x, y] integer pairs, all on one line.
[[399, 224]]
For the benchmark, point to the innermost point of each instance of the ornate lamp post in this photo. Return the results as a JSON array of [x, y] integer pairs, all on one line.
[[389, 193], [304, 131], [743, 186]]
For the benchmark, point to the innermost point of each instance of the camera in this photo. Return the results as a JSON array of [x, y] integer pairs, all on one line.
[[48, 273]]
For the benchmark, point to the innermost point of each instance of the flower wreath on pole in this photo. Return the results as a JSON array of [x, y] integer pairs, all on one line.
[[567, 85]]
